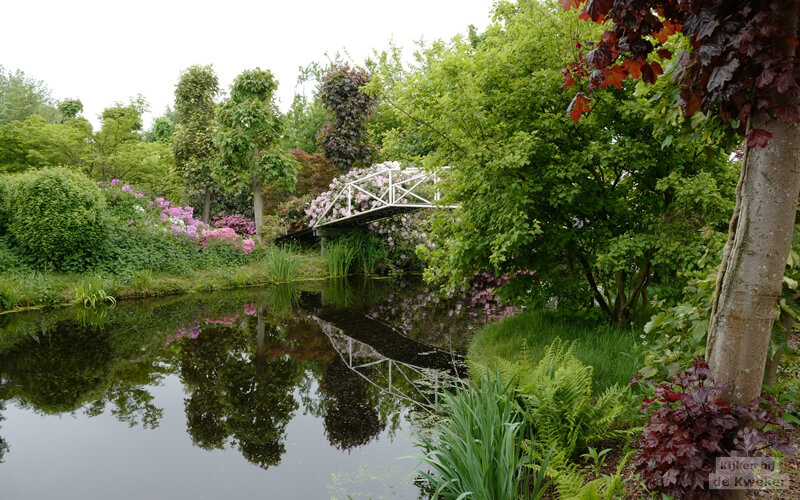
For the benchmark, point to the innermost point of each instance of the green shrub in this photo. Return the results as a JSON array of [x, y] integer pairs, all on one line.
[[57, 216], [477, 451]]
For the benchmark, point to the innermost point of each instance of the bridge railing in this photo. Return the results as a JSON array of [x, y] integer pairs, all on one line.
[[389, 187]]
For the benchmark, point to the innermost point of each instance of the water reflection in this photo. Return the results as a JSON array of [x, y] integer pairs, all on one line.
[[250, 362]]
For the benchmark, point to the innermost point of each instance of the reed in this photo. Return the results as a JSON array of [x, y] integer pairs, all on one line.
[[282, 265]]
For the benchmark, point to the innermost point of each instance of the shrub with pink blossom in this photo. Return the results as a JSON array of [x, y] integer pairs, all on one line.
[[162, 215], [238, 222]]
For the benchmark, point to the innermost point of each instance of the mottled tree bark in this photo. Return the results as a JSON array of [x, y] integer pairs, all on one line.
[[207, 206], [751, 273]]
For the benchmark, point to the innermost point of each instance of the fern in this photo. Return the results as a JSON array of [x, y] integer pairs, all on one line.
[[555, 395]]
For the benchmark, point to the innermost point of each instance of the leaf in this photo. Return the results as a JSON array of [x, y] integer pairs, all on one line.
[[664, 54], [633, 67], [790, 282], [758, 138], [568, 79], [578, 106], [571, 4]]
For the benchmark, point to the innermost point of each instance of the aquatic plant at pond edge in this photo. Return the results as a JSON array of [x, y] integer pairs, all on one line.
[[476, 452], [339, 258], [282, 265], [91, 291]]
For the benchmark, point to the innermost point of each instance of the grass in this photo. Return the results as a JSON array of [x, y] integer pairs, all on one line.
[[282, 265], [91, 292], [614, 353], [25, 290], [339, 259], [477, 450]]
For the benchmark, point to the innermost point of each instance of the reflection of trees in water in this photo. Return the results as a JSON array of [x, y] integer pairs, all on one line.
[[3, 445], [237, 395], [74, 367], [350, 410]]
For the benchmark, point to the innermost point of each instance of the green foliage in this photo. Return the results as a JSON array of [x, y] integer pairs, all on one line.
[[282, 265], [22, 96], [369, 251], [91, 292], [339, 257], [599, 209], [193, 140], [35, 143], [252, 151], [57, 217], [163, 128], [303, 122], [611, 351], [476, 452], [558, 402], [69, 108]]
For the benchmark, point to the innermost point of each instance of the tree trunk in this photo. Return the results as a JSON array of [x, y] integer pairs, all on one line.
[[258, 207], [207, 206], [751, 273]]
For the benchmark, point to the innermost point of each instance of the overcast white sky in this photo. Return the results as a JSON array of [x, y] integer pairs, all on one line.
[[107, 51]]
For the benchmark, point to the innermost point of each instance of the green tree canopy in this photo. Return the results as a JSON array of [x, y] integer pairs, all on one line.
[[193, 140], [587, 213], [248, 136]]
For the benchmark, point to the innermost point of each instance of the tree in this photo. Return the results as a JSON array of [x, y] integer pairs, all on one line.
[[21, 97], [248, 136], [193, 138], [70, 108], [345, 140], [741, 65], [587, 214], [163, 128], [34, 143]]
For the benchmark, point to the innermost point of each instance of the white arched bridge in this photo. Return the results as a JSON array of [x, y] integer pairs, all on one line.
[[380, 194]]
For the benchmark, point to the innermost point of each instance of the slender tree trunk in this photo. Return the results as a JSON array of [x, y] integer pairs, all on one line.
[[751, 273], [207, 206], [258, 207]]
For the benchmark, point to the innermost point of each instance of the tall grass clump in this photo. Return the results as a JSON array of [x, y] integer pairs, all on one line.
[[282, 265], [91, 291], [369, 250], [477, 451], [339, 259]]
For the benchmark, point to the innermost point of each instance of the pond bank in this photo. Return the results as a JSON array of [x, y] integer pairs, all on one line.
[[29, 290], [614, 353]]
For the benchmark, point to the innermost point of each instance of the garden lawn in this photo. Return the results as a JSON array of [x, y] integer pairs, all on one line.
[[614, 353]]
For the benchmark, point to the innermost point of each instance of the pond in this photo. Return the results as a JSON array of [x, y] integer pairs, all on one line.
[[268, 393]]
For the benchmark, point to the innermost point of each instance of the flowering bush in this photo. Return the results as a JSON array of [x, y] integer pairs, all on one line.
[[327, 207], [237, 222], [692, 425], [175, 219]]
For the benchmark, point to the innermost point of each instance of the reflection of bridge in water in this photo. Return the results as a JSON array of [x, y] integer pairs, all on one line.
[[405, 368]]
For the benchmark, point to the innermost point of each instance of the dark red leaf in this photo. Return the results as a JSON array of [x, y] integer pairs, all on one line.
[[578, 106], [789, 114], [664, 54], [568, 79]]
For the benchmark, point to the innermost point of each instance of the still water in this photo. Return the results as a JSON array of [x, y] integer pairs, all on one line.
[[263, 393]]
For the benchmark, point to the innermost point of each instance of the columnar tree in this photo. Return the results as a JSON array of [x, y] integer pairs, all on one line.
[[345, 140], [248, 136], [193, 136], [741, 65]]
